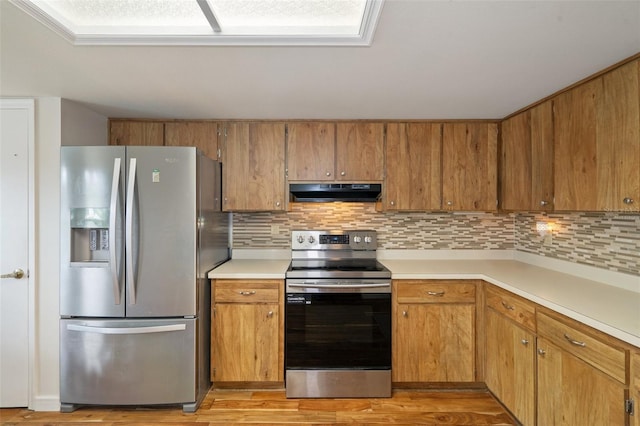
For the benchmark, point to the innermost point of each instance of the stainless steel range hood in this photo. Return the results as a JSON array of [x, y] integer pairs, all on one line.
[[328, 192]]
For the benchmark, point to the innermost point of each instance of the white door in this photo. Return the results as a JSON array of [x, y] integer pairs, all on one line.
[[16, 142]]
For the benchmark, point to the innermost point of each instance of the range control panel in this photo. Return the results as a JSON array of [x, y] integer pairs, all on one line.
[[328, 240]]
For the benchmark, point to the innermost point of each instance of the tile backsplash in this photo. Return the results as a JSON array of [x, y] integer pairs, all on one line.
[[605, 240]]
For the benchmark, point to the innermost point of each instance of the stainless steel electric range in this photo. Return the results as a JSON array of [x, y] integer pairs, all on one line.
[[337, 317]]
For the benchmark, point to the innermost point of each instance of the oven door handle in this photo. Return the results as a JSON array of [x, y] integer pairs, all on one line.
[[345, 286]]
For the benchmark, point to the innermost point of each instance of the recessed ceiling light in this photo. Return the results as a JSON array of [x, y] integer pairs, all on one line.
[[209, 22]]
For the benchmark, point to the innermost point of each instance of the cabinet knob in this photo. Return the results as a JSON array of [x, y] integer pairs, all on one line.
[[393, 203], [277, 203], [270, 314], [328, 173], [627, 200], [544, 203], [524, 342], [542, 352], [343, 173], [405, 314], [449, 203]]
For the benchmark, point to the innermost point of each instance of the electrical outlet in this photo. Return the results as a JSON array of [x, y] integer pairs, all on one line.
[[275, 229]]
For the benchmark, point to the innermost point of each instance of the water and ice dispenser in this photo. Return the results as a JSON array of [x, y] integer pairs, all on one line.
[[89, 234]]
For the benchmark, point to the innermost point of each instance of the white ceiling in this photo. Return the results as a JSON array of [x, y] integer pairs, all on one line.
[[428, 60]]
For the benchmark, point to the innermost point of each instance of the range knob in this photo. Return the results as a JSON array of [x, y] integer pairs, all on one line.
[[311, 239], [300, 239], [368, 239], [357, 239]]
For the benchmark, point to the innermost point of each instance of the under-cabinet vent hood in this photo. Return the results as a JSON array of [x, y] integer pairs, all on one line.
[[327, 192]]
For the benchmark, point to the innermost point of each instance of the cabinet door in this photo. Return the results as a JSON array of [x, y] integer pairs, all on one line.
[[542, 157], [634, 386], [469, 166], [146, 133], [597, 138], [311, 151], [575, 180], [253, 167], [571, 392], [201, 134], [516, 162], [245, 343], [526, 167], [510, 366], [434, 343], [618, 139], [360, 152], [413, 177]]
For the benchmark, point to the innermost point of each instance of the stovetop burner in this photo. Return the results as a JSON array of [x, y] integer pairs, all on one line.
[[347, 254]]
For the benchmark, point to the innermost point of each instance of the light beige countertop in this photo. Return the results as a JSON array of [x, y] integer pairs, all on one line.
[[251, 269], [610, 302]]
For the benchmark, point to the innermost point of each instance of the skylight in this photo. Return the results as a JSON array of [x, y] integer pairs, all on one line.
[[209, 22]]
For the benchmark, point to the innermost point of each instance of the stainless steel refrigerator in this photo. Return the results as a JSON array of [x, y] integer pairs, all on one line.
[[140, 229]]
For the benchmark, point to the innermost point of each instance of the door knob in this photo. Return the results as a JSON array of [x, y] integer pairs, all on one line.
[[17, 274]]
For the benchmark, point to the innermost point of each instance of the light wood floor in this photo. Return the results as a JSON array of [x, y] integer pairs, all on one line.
[[272, 407]]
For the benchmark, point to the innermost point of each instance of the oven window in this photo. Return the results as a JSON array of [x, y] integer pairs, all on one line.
[[338, 331]]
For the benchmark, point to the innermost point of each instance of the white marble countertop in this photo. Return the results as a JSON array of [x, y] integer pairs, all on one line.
[[613, 309]]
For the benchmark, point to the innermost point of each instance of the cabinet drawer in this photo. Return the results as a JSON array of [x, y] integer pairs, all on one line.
[[605, 357], [243, 291], [435, 291], [513, 307]]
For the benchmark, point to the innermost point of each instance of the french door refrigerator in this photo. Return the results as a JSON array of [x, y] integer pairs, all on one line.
[[140, 229]]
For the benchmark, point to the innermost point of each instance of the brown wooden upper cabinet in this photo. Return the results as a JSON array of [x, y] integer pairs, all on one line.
[[311, 151], [526, 166], [469, 166], [253, 166], [125, 132], [413, 177], [325, 151], [597, 143], [201, 134]]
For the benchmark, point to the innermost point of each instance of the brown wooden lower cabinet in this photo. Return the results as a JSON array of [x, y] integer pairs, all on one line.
[[582, 374], [511, 365], [548, 369], [433, 331], [572, 392], [247, 333], [634, 387]]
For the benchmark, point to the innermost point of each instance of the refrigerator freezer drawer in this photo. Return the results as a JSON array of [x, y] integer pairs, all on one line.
[[127, 362]]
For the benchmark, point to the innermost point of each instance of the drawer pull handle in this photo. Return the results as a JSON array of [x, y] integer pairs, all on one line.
[[436, 293], [507, 306], [575, 342], [247, 293]]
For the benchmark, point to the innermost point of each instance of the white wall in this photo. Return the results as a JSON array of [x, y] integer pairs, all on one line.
[[47, 195], [57, 121], [81, 126]]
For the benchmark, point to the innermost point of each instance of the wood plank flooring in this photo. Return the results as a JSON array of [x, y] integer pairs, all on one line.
[[271, 407]]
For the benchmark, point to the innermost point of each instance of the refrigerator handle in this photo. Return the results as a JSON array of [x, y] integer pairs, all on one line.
[[113, 205], [127, 330], [129, 232]]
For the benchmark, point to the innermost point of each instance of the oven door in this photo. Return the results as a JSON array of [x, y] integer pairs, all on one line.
[[337, 325]]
